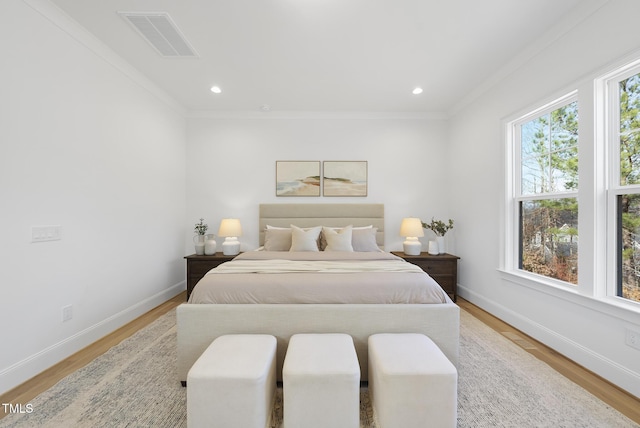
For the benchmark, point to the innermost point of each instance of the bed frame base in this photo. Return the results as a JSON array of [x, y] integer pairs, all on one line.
[[199, 324]]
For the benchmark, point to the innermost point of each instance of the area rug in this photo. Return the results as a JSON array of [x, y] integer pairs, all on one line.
[[134, 384]]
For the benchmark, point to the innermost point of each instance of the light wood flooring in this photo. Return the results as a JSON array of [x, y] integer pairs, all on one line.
[[607, 392]]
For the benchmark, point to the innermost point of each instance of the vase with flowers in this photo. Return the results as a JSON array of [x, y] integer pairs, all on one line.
[[440, 228], [200, 229]]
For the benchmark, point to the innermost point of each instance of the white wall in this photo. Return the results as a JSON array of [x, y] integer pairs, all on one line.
[[82, 145], [586, 330], [231, 165]]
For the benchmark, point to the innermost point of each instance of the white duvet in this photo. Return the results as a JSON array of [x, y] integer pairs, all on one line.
[[317, 277]]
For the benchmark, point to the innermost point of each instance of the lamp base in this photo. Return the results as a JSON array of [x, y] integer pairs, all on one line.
[[231, 246], [412, 246]]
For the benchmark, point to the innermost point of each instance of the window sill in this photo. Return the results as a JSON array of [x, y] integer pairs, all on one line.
[[613, 306]]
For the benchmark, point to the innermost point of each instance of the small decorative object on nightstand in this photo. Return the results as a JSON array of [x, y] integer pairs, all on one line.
[[210, 244], [200, 229], [411, 228], [198, 266], [230, 229], [443, 268], [440, 228], [198, 242]]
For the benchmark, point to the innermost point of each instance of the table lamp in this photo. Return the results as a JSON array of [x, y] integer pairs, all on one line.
[[230, 229], [411, 229]]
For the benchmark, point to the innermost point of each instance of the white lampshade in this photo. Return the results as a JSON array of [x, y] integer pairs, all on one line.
[[230, 228], [411, 228]]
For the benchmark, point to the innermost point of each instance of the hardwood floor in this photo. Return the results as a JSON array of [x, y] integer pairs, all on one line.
[[620, 400], [607, 392]]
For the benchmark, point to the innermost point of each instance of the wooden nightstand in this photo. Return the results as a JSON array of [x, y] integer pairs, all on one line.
[[198, 266], [442, 267]]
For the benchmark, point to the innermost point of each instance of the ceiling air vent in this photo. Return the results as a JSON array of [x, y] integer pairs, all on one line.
[[161, 32]]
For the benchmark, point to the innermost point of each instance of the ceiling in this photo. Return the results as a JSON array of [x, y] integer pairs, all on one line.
[[326, 55]]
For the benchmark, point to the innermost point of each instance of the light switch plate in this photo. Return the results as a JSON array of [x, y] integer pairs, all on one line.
[[46, 233]]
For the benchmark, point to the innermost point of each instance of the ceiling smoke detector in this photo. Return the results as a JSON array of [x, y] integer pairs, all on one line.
[[159, 30]]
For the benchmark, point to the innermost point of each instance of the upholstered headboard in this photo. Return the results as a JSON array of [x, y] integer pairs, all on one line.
[[334, 215]]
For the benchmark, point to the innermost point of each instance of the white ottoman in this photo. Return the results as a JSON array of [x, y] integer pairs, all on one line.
[[411, 382], [321, 382], [233, 383]]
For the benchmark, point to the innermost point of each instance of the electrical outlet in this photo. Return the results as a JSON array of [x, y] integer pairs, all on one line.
[[67, 313], [45, 233], [633, 338]]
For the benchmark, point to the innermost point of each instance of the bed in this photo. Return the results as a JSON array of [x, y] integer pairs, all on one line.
[[247, 311]]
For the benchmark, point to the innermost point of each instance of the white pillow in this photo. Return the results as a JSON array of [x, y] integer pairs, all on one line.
[[277, 239], [323, 242], [365, 240], [338, 240], [304, 240]]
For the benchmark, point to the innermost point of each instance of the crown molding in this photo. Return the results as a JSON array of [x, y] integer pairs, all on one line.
[[571, 20], [65, 23], [352, 115]]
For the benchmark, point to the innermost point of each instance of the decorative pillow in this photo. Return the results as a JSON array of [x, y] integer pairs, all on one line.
[[338, 240], [323, 242], [365, 240], [305, 240], [285, 232], [277, 239]]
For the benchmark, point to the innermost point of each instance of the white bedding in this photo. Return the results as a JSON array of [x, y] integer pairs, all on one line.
[[317, 277]]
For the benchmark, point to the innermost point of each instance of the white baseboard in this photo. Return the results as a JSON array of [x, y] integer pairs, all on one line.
[[602, 366], [24, 370]]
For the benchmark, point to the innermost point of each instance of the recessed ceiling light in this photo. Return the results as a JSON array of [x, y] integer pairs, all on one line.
[[417, 91], [216, 89]]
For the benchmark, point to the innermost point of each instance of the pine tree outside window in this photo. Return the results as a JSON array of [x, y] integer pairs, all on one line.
[[625, 190], [546, 190]]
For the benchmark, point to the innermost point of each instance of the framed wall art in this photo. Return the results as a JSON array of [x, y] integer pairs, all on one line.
[[297, 178], [344, 178]]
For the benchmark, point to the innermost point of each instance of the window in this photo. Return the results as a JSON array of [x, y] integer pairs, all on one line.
[[546, 190], [545, 199], [624, 144]]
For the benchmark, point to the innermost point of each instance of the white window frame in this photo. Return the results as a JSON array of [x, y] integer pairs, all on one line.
[[598, 168], [608, 98], [514, 191]]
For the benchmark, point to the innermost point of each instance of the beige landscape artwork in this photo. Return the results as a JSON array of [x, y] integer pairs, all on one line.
[[297, 178], [344, 178]]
